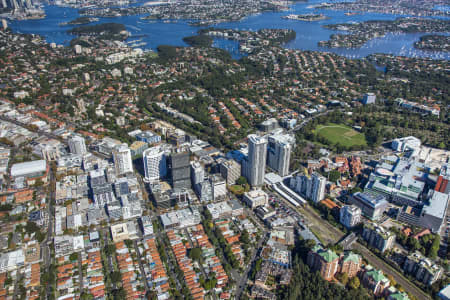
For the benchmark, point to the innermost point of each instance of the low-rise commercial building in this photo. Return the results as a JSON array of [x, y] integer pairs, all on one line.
[[181, 218], [372, 206], [255, 198]]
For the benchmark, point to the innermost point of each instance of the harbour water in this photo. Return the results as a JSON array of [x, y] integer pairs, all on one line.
[[158, 32]]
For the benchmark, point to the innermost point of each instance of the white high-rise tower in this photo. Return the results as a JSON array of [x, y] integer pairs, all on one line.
[[279, 152], [256, 161], [155, 165]]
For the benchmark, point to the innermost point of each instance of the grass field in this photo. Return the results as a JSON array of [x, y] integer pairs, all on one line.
[[341, 134]]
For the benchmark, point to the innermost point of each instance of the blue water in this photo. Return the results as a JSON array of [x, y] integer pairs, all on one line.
[[171, 33]]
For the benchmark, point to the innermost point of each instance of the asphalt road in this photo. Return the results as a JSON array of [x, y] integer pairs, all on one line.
[[141, 267], [243, 281]]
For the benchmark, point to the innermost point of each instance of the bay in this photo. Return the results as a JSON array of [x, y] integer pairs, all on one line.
[[158, 32]]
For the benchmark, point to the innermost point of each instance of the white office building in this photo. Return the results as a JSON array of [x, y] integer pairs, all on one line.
[[406, 143], [197, 173], [255, 163], [369, 98], [77, 145], [155, 164], [218, 186], [256, 198], [279, 152], [122, 159]]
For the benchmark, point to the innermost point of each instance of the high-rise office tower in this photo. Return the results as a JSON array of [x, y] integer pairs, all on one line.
[[179, 166], [255, 165], [77, 145], [279, 152], [122, 159], [155, 165]]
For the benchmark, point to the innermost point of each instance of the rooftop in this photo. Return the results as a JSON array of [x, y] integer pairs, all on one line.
[[437, 206], [28, 167]]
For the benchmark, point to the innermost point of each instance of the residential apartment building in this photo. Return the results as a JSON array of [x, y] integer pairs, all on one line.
[[350, 216], [378, 237], [326, 262], [312, 187], [255, 162], [279, 152]]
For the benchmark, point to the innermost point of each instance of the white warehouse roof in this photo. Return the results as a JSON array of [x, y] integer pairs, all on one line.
[[29, 167]]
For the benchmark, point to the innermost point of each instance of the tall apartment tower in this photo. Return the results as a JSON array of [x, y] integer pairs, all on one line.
[[279, 153], [318, 184], [155, 166], [179, 166], [256, 160], [311, 187], [122, 159], [77, 145]]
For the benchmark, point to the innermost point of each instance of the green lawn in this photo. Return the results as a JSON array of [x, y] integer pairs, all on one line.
[[341, 134]]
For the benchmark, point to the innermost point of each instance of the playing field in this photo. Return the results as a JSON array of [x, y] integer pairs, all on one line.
[[341, 134]]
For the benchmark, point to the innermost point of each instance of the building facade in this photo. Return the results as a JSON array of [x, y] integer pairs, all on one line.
[[350, 264], [372, 206], [197, 173], [230, 171], [326, 262], [256, 198], [350, 216], [122, 159], [77, 145], [312, 187], [377, 237], [179, 166], [279, 152], [155, 164], [256, 160]]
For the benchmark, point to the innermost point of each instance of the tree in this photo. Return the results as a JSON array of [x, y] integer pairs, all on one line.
[[116, 277], [110, 249], [195, 254], [241, 180], [432, 253], [73, 256], [245, 237], [128, 243], [354, 283], [343, 278], [86, 296], [334, 175]]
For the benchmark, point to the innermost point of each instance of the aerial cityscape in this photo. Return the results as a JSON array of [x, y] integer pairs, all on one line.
[[232, 149]]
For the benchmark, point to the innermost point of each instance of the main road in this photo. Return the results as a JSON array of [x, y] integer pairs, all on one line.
[[243, 281]]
